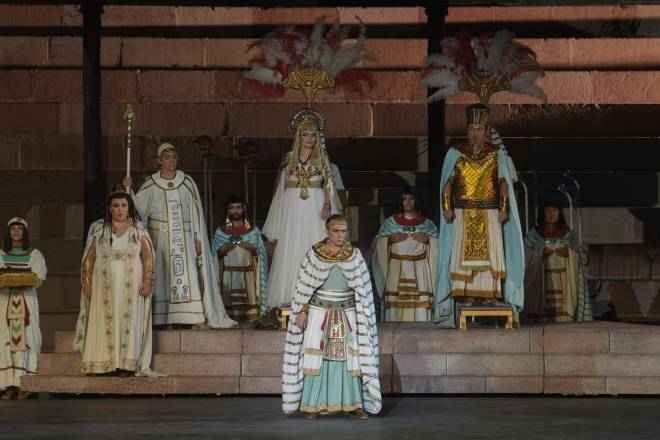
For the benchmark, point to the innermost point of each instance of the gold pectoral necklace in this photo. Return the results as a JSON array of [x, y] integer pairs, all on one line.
[[304, 175]]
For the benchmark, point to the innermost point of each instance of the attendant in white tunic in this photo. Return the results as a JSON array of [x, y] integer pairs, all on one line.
[[185, 288], [305, 195], [22, 270], [404, 262], [114, 334]]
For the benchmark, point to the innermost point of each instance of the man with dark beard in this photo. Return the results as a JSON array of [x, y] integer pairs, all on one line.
[[242, 263]]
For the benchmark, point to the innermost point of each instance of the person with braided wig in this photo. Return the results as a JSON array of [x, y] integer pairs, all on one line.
[[113, 333], [23, 269], [305, 196]]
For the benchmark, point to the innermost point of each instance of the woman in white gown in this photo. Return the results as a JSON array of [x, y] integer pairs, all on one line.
[[305, 195], [114, 333]]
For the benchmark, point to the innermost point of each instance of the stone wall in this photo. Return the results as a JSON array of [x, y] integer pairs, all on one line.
[[181, 69]]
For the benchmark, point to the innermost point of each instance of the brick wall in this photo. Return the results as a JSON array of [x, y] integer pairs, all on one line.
[[599, 82]]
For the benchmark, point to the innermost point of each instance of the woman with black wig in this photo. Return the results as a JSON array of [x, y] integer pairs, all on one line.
[[22, 270], [113, 334]]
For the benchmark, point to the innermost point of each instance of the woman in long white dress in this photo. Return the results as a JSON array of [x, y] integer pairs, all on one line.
[[20, 336], [305, 195], [113, 334]]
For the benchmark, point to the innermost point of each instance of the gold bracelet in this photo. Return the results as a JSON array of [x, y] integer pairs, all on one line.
[[504, 204], [446, 202]]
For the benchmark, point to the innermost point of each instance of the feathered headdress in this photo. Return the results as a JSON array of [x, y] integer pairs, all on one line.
[[483, 65], [309, 59]]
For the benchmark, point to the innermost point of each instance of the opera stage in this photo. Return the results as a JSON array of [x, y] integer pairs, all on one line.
[[594, 358]]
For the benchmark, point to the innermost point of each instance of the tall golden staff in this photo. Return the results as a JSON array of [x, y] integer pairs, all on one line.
[[129, 115]]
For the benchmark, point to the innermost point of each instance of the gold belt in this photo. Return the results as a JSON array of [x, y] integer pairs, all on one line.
[[296, 184], [249, 268], [408, 257]]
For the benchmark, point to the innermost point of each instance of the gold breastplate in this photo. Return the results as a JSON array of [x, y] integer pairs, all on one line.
[[476, 180]]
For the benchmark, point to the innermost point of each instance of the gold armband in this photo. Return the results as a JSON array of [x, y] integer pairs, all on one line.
[[147, 257], [305, 309], [504, 204], [86, 272], [446, 202]]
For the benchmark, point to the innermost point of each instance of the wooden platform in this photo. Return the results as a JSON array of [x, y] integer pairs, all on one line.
[[570, 358]]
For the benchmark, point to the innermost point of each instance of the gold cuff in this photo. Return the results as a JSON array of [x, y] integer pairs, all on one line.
[[446, 202], [504, 204], [86, 271]]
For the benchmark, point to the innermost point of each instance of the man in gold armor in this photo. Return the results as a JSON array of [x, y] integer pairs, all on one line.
[[480, 251]]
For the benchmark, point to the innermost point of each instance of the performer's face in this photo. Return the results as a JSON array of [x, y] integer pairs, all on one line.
[[168, 160], [235, 211], [476, 134], [409, 203], [307, 138], [119, 209], [16, 232], [337, 233], [551, 215]]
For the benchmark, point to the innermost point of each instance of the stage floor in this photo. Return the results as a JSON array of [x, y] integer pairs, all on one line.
[[260, 418], [416, 358]]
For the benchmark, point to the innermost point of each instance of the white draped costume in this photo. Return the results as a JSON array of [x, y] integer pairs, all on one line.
[[296, 224], [19, 355], [114, 326], [184, 293]]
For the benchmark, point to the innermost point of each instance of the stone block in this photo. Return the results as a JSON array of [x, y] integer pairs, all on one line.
[[514, 385], [64, 341], [74, 221], [301, 16], [260, 341], [52, 152], [57, 85], [494, 365], [400, 120], [23, 51], [386, 366], [61, 255], [261, 385], [574, 386], [175, 86], [65, 51], [122, 15], [198, 364], [185, 119], [261, 365], [205, 385], [227, 52], [438, 384], [630, 385], [428, 339], [390, 87], [253, 119], [118, 85], [70, 120], [386, 332], [614, 53], [56, 364], [167, 341], [97, 385], [625, 262], [632, 365], [9, 152], [536, 339], [576, 364], [30, 15], [385, 384], [51, 224], [59, 292], [162, 52], [411, 15], [639, 341], [211, 341], [114, 148], [213, 16], [15, 84], [395, 53], [52, 322], [579, 341], [28, 118], [71, 15], [420, 364]]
